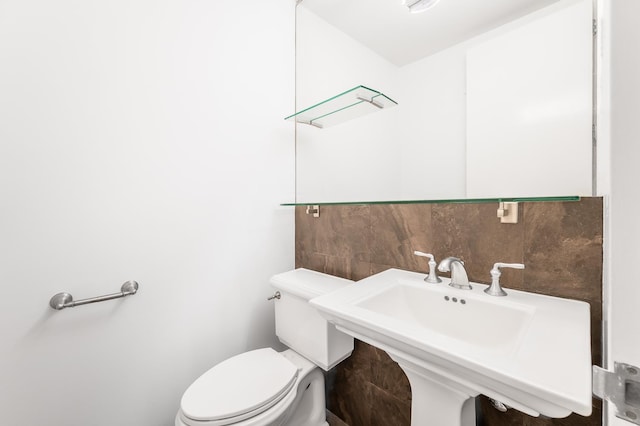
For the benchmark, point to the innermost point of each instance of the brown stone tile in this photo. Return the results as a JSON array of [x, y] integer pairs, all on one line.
[[360, 270], [563, 249], [473, 233], [348, 268], [375, 268], [597, 409], [349, 398], [388, 410], [375, 366], [573, 420], [493, 417], [310, 260], [340, 266], [334, 420], [336, 243], [361, 403], [305, 231], [397, 231], [351, 269], [596, 333], [342, 231]]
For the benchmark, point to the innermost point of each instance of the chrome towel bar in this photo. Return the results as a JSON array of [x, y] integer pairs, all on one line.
[[65, 300]]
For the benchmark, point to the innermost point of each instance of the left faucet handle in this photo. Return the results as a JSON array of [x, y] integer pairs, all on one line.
[[433, 275]]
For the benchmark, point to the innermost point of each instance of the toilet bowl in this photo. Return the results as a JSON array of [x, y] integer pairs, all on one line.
[[265, 387]]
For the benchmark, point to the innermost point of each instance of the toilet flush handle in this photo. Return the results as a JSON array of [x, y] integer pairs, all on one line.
[[276, 295]]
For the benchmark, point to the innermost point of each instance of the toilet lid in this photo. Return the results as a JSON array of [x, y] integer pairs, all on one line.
[[252, 381]]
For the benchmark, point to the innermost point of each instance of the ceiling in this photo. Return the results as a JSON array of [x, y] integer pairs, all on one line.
[[387, 27]]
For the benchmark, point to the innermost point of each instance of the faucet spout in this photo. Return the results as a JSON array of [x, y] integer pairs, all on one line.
[[459, 278]]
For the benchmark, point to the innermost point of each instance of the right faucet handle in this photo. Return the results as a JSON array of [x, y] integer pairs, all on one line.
[[433, 275], [495, 289]]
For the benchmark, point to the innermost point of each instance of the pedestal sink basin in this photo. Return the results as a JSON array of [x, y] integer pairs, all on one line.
[[529, 351]]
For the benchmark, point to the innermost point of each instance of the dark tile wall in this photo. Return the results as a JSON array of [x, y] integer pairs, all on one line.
[[559, 242]]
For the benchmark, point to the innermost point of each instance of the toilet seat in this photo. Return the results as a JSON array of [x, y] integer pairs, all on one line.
[[239, 388]]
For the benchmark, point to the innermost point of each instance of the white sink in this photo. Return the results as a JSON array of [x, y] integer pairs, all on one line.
[[424, 308], [529, 351]]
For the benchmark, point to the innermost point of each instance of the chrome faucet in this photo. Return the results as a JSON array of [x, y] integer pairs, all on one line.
[[433, 275], [459, 278], [496, 288]]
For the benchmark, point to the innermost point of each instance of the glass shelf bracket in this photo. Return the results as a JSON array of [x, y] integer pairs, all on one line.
[[345, 106]]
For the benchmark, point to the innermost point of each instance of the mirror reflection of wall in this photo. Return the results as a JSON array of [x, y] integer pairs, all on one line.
[[501, 110]]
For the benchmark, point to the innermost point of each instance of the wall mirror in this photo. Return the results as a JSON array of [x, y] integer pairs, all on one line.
[[467, 99]]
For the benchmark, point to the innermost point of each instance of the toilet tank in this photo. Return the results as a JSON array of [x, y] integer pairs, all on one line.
[[300, 326]]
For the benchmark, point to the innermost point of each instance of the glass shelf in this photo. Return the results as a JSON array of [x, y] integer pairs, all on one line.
[[451, 201], [343, 107]]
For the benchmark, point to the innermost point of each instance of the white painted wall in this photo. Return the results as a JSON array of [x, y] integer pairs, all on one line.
[[621, 93], [144, 140]]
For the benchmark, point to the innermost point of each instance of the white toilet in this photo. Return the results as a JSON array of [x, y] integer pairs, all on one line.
[[264, 387]]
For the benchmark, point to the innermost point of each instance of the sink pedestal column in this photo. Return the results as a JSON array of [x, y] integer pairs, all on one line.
[[437, 400]]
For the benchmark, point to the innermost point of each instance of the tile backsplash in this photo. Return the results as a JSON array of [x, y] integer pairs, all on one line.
[[559, 242]]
